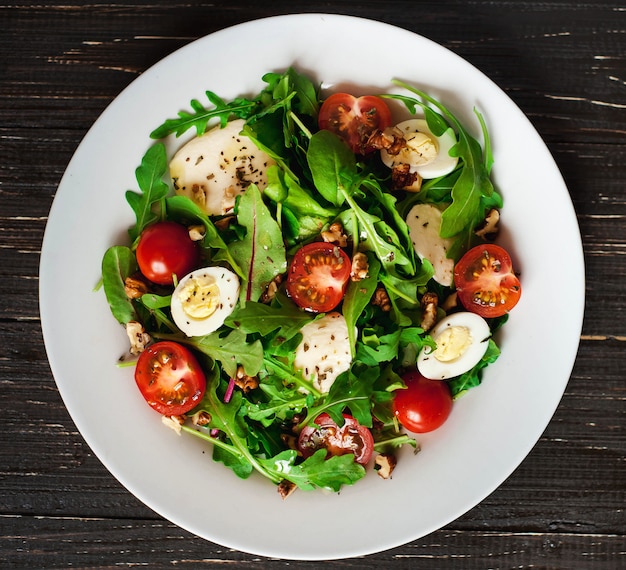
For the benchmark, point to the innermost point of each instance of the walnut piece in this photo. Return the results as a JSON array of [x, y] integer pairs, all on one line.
[[201, 418], [137, 336], [334, 234], [196, 233], [360, 267], [381, 299], [271, 289], [173, 422], [285, 488], [489, 228], [245, 382], [384, 464], [403, 179], [135, 286], [429, 304]]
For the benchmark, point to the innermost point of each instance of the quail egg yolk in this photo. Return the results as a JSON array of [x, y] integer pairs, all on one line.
[[420, 149], [200, 296], [452, 343]]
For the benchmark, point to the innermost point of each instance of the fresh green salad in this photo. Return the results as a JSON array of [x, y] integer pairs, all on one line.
[[310, 284]]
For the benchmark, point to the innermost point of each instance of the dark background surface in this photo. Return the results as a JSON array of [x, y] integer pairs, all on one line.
[[563, 63]]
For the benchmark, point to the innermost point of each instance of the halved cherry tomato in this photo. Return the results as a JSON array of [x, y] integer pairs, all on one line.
[[170, 378], [354, 119], [318, 276], [485, 282], [351, 437], [165, 249], [424, 405]]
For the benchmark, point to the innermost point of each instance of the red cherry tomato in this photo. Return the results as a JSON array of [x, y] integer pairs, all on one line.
[[424, 405], [318, 276], [165, 249], [485, 282], [354, 119], [170, 378], [351, 437]]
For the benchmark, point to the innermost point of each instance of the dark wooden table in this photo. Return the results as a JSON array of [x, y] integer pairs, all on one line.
[[563, 63]]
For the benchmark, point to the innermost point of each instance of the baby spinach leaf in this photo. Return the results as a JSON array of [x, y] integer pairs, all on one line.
[[308, 214], [332, 165], [257, 317], [153, 189], [358, 296], [118, 263], [261, 252]]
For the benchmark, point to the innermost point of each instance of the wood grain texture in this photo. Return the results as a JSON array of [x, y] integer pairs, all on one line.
[[563, 63]]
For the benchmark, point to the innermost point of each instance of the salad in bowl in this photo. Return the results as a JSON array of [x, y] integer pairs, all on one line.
[[309, 283]]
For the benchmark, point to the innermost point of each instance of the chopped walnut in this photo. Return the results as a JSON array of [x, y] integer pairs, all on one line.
[[385, 463], [289, 440], [334, 234], [450, 302], [137, 336], [381, 299], [223, 223], [285, 488], [271, 289], [360, 267], [391, 140], [429, 310], [201, 418], [403, 179], [173, 422], [245, 382], [196, 233], [489, 228], [135, 286]]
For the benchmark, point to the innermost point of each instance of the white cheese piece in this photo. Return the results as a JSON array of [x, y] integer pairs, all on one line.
[[213, 169], [424, 221], [324, 352]]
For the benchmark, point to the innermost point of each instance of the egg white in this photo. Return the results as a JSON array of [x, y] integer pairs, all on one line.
[[431, 367], [228, 286]]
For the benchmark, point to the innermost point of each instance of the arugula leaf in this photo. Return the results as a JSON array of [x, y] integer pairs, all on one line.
[[261, 252], [149, 176], [230, 350], [473, 185], [317, 472], [240, 108], [118, 263]]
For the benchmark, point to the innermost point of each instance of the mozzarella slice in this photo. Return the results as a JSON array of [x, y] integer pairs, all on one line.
[[424, 221], [427, 154], [203, 299], [324, 351], [462, 340], [213, 169]]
